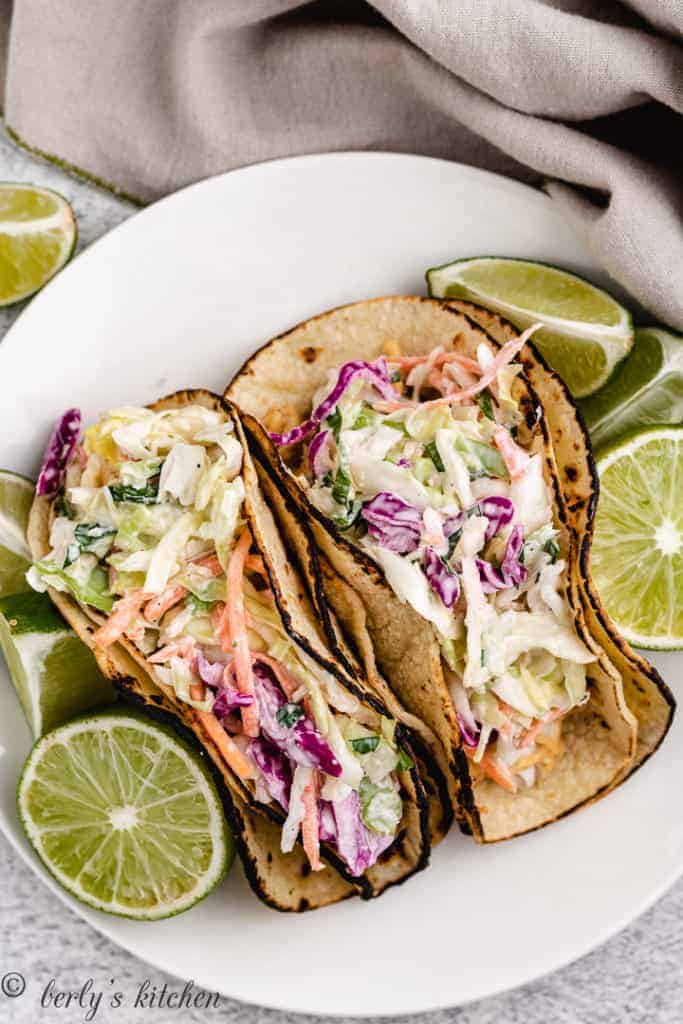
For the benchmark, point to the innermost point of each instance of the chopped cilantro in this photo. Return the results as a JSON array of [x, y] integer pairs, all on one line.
[[289, 714]]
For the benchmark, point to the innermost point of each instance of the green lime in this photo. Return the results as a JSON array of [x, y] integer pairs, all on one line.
[[16, 496], [37, 237], [646, 389], [125, 815], [637, 553], [586, 332], [54, 673]]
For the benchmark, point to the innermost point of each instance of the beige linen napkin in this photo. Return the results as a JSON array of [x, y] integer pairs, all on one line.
[[148, 95]]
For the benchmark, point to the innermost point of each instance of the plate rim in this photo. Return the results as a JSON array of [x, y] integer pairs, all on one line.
[[92, 917]]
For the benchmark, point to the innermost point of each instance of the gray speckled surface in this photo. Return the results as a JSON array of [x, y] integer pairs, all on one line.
[[636, 977]]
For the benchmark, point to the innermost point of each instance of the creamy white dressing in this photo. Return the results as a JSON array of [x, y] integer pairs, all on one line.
[[512, 601]]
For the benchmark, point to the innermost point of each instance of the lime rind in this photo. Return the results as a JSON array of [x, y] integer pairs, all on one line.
[[18, 477], [637, 438], [32, 248], [54, 674], [441, 279], [30, 612], [646, 390], [93, 811], [585, 353], [637, 554], [16, 497], [25, 657]]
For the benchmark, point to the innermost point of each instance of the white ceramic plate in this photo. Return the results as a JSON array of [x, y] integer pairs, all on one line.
[[178, 296]]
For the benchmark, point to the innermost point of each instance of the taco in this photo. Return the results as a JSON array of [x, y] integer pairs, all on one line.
[[420, 454], [154, 540]]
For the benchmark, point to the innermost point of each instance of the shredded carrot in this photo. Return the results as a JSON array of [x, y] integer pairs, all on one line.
[[310, 825], [390, 407], [439, 382], [160, 604], [532, 732], [183, 648], [227, 747], [456, 374], [209, 562], [497, 773], [504, 356], [408, 362], [506, 708], [232, 631], [514, 457], [122, 615], [229, 674], [529, 735]]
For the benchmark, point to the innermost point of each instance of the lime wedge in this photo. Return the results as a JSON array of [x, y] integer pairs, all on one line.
[[37, 237], [586, 332], [16, 496], [54, 673], [646, 389], [637, 553], [125, 815]]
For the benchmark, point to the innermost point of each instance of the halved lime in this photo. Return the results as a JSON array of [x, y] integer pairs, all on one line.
[[54, 673], [125, 815], [637, 554], [37, 237], [646, 389], [586, 332], [16, 496]]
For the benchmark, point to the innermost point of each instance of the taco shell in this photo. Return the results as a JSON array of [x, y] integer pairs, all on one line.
[[602, 740]]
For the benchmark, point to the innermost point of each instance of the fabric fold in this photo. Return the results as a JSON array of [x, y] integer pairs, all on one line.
[[149, 95]]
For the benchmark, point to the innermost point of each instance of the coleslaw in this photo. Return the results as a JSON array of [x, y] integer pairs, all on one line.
[[150, 530], [416, 459]]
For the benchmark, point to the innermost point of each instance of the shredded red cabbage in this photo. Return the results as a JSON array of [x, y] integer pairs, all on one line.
[[442, 580], [511, 564], [357, 845], [275, 768], [280, 747], [229, 700], [377, 374], [217, 676], [469, 737], [319, 455], [511, 572], [301, 742], [393, 523], [453, 523], [327, 826], [499, 512], [209, 672], [63, 440]]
